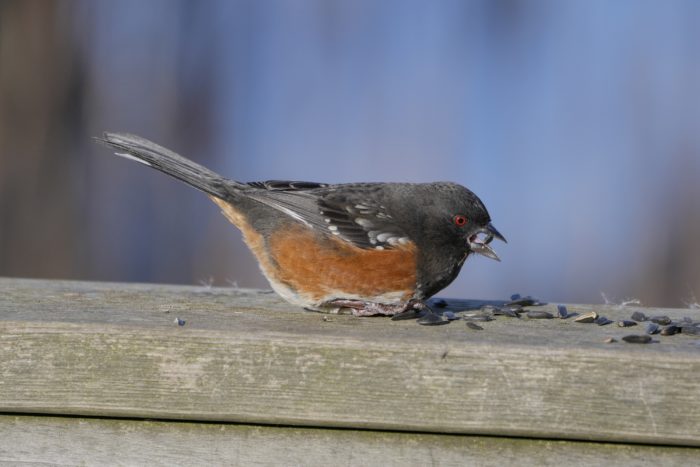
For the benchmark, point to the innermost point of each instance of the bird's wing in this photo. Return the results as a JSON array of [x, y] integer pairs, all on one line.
[[351, 212]]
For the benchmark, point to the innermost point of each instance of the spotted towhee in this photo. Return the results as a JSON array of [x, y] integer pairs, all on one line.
[[375, 248]]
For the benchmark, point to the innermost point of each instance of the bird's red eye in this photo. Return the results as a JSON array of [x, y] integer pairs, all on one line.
[[459, 220]]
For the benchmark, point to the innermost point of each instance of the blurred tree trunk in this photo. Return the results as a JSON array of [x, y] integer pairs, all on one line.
[[40, 102]]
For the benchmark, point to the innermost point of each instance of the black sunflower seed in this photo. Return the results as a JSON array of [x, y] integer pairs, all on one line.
[[639, 316], [602, 321], [670, 330], [637, 339], [562, 312], [539, 315]]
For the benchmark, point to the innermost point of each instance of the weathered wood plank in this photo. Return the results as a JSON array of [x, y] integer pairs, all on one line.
[[80, 441], [245, 356]]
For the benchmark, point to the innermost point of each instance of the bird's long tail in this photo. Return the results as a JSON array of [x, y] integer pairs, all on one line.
[[146, 152]]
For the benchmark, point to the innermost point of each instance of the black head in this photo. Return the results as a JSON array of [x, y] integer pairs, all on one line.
[[464, 217]]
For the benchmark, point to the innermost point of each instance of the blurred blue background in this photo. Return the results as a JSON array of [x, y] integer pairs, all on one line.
[[576, 122]]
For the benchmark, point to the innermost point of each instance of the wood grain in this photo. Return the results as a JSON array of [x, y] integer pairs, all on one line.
[[244, 356], [80, 441]]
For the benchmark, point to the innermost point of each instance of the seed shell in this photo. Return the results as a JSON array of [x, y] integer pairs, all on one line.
[[539, 315], [637, 339], [639, 316], [602, 321], [431, 319], [587, 317], [562, 312], [670, 330]]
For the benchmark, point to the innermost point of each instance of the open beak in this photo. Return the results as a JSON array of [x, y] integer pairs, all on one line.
[[480, 245]]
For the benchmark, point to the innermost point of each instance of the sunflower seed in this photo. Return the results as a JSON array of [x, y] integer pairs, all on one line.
[[431, 319], [602, 321], [482, 318], [524, 301], [562, 312], [625, 323], [610, 340], [539, 315], [474, 326], [637, 339], [639, 316], [180, 322], [662, 320], [652, 328], [670, 330], [506, 312], [587, 317]]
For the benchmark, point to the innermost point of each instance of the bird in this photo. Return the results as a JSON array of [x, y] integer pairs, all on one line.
[[373, 248]]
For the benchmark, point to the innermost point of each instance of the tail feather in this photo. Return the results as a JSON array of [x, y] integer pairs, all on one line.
[[146, 152]]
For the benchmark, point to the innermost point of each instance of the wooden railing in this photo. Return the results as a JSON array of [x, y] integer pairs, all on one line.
[[96, 373]]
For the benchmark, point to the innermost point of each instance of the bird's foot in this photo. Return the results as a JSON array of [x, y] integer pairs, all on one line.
[[413, 309], [362, 308]]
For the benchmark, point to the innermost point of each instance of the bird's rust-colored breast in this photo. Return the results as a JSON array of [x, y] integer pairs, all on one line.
[[328, 267], [317, 267]]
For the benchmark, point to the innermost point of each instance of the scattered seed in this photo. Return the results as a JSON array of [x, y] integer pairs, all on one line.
[[625, 323], [517, 308], [652, 328], [637, 339], [474, 326], [431, 319], [524, 301], [610, 340], [670, 330], [450, 316], [639, 316], [562, 312], [179, 322], [506, 312], [662, 320], [602, 321], [327, 318], [691, 329], [587, 317], [440, 303], [539, 315], [482, 318]]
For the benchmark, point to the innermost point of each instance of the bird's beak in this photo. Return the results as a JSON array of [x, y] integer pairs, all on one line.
[[480, 245]]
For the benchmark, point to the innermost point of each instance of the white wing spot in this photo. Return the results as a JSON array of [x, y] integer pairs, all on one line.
[[379, 247], [133, 158], [332, 228]]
